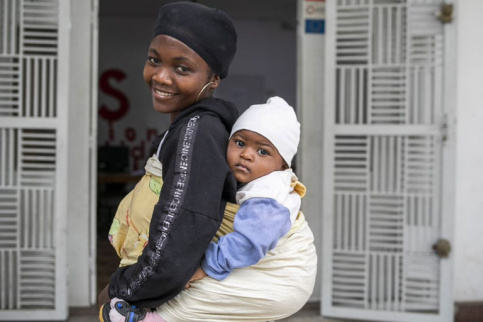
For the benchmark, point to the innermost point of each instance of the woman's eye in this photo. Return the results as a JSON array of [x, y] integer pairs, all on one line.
[[263, 152], [153, 60], [182, 69]]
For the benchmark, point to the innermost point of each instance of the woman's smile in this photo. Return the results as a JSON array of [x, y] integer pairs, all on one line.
[[162, 94]]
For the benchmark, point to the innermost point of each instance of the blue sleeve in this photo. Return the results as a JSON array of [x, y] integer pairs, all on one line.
[[259, 224]]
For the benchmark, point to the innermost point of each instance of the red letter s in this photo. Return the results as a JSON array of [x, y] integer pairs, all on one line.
[[104, 111]]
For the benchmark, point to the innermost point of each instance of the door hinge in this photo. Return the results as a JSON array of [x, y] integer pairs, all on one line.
[[442, 248], [446, 13], [444, 128]]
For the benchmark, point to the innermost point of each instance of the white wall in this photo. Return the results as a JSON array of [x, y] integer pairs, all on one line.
[[468, 245]]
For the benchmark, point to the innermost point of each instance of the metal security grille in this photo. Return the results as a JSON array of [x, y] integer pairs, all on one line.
[[31, 162], [383, 161]]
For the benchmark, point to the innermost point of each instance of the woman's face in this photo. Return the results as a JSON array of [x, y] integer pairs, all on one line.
[[176, 74]]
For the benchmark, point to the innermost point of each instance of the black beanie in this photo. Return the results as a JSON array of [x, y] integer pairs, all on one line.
[[208, 31]]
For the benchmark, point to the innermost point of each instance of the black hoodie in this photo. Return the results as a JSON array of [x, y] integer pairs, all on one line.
[[197, 185]]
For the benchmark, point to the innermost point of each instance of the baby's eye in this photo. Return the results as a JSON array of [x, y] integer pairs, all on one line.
[[153, 60], [239, 143], [263, 152]]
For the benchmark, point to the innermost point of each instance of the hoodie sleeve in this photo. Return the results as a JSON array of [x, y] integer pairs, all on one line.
[[259, 224], [197, 184]]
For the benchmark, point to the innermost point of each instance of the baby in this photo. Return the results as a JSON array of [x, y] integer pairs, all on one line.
[[262, 144]]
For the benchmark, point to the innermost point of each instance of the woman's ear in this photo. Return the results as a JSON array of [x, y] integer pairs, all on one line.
[[216, 81]]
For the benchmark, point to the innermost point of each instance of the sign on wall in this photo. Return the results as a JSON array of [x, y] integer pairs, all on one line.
[[314, 14]]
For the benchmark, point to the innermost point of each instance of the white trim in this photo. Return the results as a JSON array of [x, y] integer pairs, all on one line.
[[328, 157], [386, 129], [82, 149], [93, 150], [16, 122], [448, 183], [62, 152]]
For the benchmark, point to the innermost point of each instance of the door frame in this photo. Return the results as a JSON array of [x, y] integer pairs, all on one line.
[[82, 142]]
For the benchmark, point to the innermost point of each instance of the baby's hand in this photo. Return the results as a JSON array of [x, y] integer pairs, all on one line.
[[199, 274]]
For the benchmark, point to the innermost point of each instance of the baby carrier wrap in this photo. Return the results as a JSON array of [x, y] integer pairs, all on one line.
[[274, 288]]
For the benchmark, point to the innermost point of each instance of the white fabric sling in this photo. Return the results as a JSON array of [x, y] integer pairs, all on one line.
[[274, 288]]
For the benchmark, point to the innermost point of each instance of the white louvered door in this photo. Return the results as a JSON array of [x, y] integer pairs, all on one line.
[[32, 161], [383, 164]]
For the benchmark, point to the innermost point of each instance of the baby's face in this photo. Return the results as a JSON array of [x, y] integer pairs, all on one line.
[[251, 156]]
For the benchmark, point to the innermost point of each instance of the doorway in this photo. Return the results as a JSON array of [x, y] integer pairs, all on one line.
[[126, 122]]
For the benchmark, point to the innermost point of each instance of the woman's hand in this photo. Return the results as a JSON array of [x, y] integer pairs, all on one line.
[[199, 274]]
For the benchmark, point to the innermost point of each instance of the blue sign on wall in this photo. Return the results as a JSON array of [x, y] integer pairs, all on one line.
[[314, 26]]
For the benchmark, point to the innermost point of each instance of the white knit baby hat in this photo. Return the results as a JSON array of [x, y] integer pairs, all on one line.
[[275, 120]]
